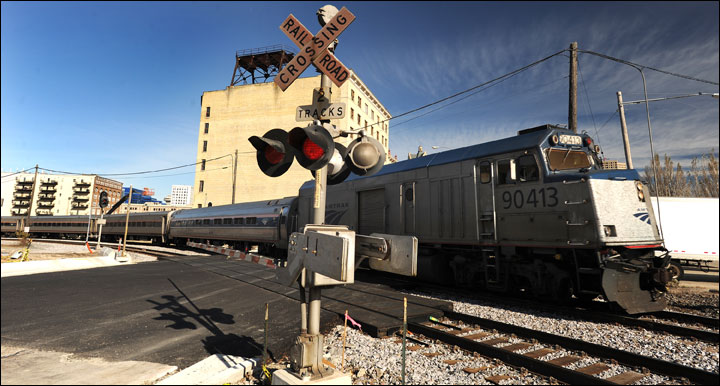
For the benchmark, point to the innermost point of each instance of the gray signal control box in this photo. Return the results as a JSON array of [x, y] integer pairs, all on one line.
[[328, 251]]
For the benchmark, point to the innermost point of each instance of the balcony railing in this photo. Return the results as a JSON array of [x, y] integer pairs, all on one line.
[[79, 198], [81, 182], [46, 204], [21, 203], [47, 195], [48, 189], [79, 205], [43, 212], [19, 212], [80, 190], [21, 195], [23, 188], [48, 181]]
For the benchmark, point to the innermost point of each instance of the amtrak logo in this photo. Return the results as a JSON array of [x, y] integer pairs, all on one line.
[[333, 216], [643, 216]]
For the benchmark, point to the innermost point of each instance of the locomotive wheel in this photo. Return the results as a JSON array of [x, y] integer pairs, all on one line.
[[676, 271]]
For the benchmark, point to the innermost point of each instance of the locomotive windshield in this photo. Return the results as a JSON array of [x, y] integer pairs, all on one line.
[[561, 159]]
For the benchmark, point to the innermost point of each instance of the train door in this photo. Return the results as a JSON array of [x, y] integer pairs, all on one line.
[[487, 226], [407, 202], [485, 202], [371, 211]]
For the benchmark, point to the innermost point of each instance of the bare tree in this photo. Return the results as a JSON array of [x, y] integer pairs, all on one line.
[[704, 175], [673, 181]]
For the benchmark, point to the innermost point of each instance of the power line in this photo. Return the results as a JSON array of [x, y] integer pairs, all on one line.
[[641, 66], [22, 171], [179, 174], [144, 172], [470, 89]]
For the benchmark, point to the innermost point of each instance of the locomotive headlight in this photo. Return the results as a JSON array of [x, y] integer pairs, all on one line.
[[640, 193], [554, 140]]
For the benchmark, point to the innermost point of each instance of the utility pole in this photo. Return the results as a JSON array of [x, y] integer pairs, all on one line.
[[572, 110], [623, 128], [234, 175], [127, 219], [32, 195]]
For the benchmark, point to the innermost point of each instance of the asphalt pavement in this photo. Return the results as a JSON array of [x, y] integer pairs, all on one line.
[[158, 312]]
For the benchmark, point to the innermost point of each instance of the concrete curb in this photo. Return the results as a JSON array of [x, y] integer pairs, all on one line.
[[217, 369], [43, 266]]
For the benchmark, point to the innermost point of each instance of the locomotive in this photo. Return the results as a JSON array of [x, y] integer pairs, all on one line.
[[534, 213]]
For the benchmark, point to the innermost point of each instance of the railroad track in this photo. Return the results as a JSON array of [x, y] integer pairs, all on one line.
[[592, 312], [485, 337]]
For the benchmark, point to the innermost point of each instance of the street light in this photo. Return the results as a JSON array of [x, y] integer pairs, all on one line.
[[623, 124]]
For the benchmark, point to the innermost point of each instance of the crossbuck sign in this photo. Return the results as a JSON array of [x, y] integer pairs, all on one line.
[[313, 49]]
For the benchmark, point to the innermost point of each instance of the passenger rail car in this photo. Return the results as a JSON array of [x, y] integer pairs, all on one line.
[[533, 213], [263, 223], [60, 226], [12, 224], [141, 226]]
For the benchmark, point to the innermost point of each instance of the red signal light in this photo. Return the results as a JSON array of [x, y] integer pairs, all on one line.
[[311, 150], [273, 156], [588, 141]]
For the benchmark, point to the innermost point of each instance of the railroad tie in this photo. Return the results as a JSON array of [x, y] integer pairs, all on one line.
[[626, 378], [493, 342], [564, 361], [593, 369], [517, 346], [539, 353], [476, 336]]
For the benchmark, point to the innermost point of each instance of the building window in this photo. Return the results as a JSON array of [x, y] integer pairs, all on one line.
[[352, 95], [202, 185], [372, 114], [207, 112], [352, 113], [207, 127], [360, 102], [204, 145], [358, 119], [366, 107], [202, 166]]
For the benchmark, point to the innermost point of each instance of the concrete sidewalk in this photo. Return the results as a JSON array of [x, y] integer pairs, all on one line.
[[23, 366], [43, 266]]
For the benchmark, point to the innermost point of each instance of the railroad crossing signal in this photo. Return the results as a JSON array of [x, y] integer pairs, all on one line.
[[314, 49], [104, 199], [314, 148], [274, 156]]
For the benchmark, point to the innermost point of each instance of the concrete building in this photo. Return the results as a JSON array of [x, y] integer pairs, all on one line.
[[612, 164], [230, 116], [55, 194], [181, 195]]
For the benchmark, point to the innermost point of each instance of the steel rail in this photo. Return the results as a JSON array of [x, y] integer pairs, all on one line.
[[509, 357], [657, 365]]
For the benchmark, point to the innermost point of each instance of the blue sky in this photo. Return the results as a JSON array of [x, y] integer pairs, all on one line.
[[110, 87]]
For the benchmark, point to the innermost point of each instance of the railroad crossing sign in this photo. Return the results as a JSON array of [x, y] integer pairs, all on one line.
[[321, 108], [314, 49]]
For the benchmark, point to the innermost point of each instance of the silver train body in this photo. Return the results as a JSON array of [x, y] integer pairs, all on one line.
[[534, 213]]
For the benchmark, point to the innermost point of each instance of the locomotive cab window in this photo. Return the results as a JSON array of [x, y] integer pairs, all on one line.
[[527, 168], [559, 159], [485, 172], [506, 172]]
